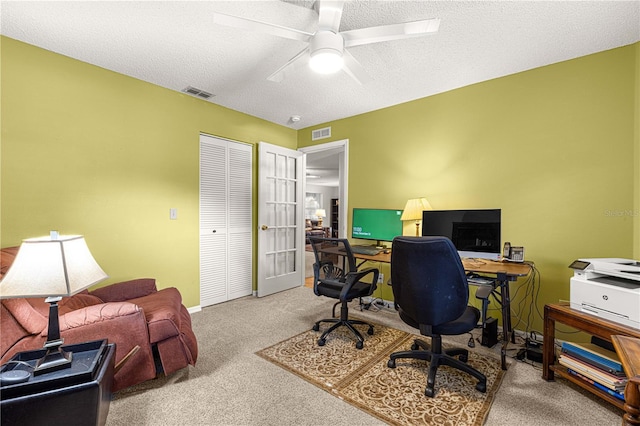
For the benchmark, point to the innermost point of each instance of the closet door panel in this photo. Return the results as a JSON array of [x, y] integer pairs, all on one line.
[[226, 248], [240, 246]]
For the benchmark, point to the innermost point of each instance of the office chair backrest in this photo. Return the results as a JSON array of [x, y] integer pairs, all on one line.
[[332, 250], [429, 283]]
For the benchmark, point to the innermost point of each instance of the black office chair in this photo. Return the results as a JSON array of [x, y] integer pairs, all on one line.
[[336, 276], [431, 290]]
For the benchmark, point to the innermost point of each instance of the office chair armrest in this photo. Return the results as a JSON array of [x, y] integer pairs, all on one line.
[[483, 292], [354, 277]]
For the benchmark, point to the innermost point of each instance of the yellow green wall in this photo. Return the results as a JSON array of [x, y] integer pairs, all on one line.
[[553, 147], [93, 152], [85, 150]]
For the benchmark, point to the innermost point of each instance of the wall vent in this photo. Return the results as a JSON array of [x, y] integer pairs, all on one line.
[[321, 133], [197, 92]]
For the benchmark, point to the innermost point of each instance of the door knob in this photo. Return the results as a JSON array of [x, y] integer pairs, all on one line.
[[264, 227]]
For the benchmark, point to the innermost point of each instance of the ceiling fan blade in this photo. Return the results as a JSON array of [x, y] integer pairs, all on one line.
[[293, 64], [390, 32], [329, 15], [354, 69], [265, 27]]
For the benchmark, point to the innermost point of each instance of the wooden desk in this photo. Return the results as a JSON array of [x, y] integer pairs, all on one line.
[[504, 272], [628, 349], [588, 323]]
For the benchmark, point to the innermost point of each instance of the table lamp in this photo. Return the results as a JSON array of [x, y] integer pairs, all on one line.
[[51, 267], [413, 211], [321, 213]]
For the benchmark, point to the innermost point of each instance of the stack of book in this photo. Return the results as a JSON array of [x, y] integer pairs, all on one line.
[[595, 365]]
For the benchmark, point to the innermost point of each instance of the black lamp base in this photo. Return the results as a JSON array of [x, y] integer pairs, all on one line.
[[55, 359]]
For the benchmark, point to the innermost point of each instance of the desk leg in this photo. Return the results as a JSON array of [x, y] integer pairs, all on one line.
[[548, 345], [506, 317]]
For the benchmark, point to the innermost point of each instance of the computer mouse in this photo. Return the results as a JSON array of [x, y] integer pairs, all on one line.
[[386, 251]]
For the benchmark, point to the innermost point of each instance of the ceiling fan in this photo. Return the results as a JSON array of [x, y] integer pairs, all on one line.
[[326, 51]]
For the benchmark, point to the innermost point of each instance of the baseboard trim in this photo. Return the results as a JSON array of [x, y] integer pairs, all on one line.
[[192, 310]]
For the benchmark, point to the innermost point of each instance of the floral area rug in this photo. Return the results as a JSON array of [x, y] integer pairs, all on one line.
[[394, 395]]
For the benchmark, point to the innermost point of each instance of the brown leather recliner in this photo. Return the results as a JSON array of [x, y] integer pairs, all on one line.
[[128, 314]]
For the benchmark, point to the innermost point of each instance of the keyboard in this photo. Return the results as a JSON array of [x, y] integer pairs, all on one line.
[[479, 280], [368, 250]]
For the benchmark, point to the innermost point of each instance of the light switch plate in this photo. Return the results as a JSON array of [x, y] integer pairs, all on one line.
[[173, 214]]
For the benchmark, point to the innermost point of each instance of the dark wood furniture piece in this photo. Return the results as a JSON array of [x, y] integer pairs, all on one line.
[[628, 349], [335, 222], [588, 323]]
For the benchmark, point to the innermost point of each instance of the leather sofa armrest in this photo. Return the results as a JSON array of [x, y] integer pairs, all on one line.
[[126, 290]]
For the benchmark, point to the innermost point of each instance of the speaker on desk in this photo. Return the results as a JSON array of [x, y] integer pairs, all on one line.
[[489, 332]]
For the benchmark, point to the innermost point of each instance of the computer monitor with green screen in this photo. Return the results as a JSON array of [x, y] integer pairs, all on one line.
[[376, 224]]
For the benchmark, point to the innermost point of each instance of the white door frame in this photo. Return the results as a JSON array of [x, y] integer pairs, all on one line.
[[343, 178]]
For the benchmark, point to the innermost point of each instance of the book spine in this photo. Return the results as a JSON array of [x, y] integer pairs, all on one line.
[[616, 366], [611, 392], [595, 363], [613, 382]]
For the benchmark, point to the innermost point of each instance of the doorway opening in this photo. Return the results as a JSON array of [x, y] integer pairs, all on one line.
[[325, 188]]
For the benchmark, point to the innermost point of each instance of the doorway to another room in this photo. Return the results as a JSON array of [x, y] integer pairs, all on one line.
[[325, 196]]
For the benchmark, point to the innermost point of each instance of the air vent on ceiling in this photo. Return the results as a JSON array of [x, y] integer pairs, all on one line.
[[321, 133], [197, 92]]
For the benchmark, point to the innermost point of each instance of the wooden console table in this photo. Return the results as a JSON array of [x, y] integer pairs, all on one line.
[[588, 323]]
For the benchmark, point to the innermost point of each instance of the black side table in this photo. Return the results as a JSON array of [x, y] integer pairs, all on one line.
[[79, 395]]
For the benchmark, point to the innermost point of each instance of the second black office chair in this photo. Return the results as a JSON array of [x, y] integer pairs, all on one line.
[[336, 276], [431, 291]]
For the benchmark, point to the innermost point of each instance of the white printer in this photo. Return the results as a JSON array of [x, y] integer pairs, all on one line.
[[608, 288]]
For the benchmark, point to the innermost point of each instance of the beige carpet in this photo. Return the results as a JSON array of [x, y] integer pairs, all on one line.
[[232, 386], [396, 396]]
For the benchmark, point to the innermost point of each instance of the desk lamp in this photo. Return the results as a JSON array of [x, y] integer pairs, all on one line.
[[413, 211], [51, 267]]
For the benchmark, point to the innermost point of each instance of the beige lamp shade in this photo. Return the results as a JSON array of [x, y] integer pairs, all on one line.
[[321, 213], [413, 211], [414, 207], [50, 267]]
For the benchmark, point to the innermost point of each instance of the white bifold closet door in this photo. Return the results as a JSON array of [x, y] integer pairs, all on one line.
[[226, 249]]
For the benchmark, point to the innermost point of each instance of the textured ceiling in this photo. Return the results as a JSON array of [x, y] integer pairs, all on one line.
[[175, 44]]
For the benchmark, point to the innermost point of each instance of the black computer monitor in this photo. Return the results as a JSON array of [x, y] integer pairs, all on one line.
[[376, 224], [475, 233]]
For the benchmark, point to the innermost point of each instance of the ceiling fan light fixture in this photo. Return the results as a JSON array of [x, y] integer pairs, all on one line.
[[326, 61], [325, 50]]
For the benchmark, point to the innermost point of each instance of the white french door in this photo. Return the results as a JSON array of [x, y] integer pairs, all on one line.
[[280, 219]]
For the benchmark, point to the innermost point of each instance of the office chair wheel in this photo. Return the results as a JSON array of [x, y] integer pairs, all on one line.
[[415, 347], [359, 345], [463, 358], [481, 387], [321, 342], [316, 327], [429, 392], [370, 331], [391, 363]]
